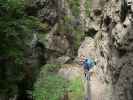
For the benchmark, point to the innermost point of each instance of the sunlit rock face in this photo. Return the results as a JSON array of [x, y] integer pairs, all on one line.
[[87, 48], [114, 46]]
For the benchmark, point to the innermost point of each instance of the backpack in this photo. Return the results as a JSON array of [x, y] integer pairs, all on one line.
[[89, 63]]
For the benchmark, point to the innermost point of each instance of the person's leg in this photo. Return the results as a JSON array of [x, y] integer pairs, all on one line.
[[86, 74]]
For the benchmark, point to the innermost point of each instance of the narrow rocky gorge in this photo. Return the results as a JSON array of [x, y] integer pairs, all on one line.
[[108, 40], [100, 29]]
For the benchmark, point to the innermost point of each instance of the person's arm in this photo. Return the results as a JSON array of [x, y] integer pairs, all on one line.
[[95, 62]]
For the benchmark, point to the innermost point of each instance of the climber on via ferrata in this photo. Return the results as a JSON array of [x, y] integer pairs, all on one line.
[[87, 64]]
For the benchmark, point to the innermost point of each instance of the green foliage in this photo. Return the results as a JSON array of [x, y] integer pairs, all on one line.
[[68, 26], [49, 88], [79, 35], [49, 85], [65, 25], [15, 30], [15, 26], [74, 6], [87, 7], [76, 87]]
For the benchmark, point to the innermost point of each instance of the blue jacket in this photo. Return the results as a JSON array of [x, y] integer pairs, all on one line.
[[88, 63]]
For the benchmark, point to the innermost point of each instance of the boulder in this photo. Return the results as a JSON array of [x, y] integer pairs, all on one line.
[[63, 59], [70, 72]]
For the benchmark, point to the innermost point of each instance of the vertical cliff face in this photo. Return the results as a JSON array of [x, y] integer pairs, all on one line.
[[112, 22], [57, 15]]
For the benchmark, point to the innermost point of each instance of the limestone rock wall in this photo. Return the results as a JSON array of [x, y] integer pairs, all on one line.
[[112, 22]]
